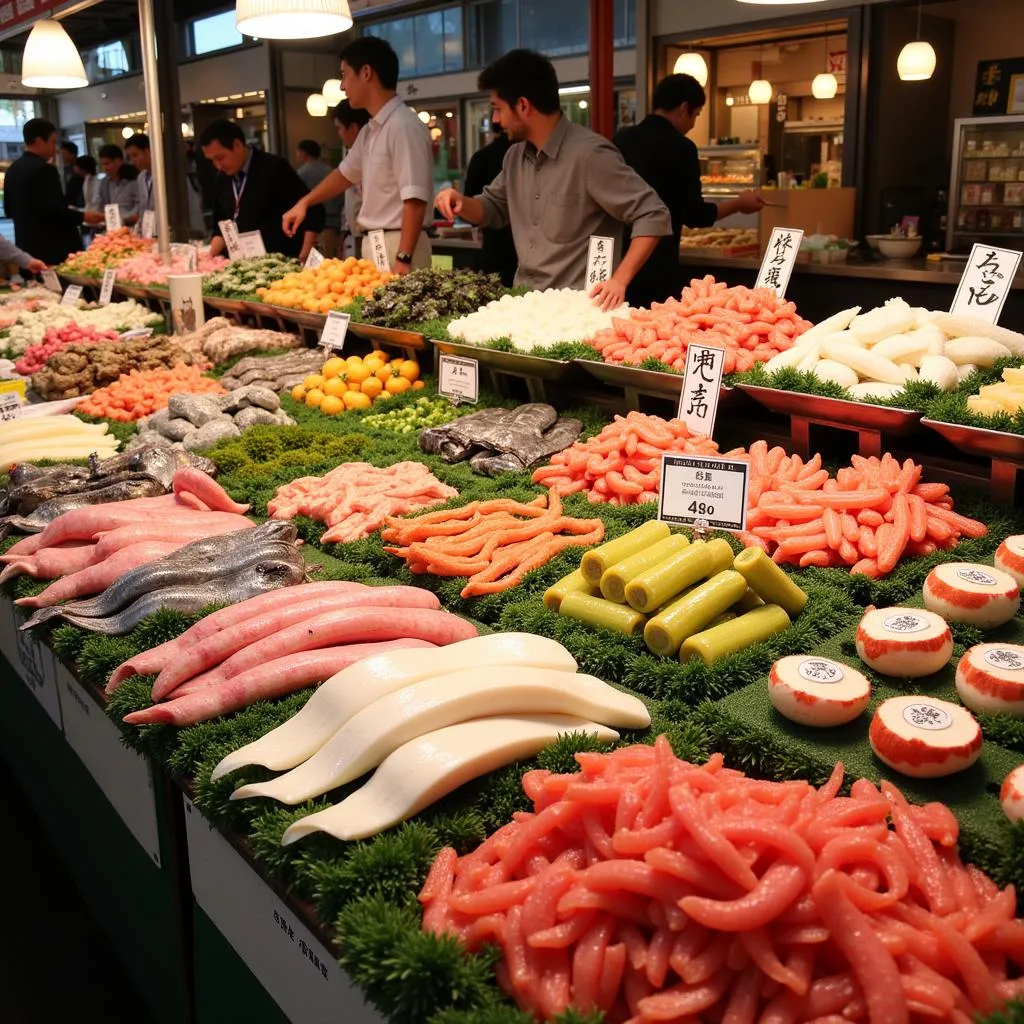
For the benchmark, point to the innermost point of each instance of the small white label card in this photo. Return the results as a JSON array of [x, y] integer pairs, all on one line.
[[599, 259], [779, 258], [149, 224], [987, 280], [229, 232], [107, 287], [314, 259], [459, 379], [332, 337], [10, 403], [379, 249], [702, 383], [705, 492], [112, 215], [71, 295], [251, 244], [52, 281], [36, 666]]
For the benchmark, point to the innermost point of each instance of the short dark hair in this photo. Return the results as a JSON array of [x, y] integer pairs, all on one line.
[[69, 146], [310, 148], [86, 163], [376, 52], [226, 132], [347, 115], [523, 74], [672, 92], [37, 128], [138, 141], [111, 152]]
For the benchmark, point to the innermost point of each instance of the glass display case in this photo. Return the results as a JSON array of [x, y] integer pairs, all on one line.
[[729, 170], [986, 191]]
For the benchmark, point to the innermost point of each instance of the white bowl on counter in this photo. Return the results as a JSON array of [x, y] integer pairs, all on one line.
[[899, 248]]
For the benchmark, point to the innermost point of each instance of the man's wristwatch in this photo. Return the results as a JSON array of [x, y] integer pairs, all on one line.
[[403, 257]]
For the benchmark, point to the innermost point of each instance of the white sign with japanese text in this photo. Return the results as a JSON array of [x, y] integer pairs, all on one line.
[[704, 492], [10, 403], [599, 259], [35, 664], [335, 330], [107, 287], [229, 232], [378, 250], [51, 281], [459, 379], [298, 972], [779, 259], [124, 776], [149, 224], [112, 216], [986, 282], [702, 383], [250, 243], [71, 295], [314, 259]]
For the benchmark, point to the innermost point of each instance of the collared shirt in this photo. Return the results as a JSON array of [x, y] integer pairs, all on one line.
[[122, 191], [393, 160], [576, 186], [312, 173], [146, 200]]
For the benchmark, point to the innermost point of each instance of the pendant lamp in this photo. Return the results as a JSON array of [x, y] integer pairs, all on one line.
[[760, 91], [51, 60], [292, 19], [916, 62], [316, 105], [825, 85], [692, 64], [333, 92]]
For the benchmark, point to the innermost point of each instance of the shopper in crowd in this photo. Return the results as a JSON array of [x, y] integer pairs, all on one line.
[[659, 151], [498, 254], [120, 186], [560, 185], [34, 199], [254, 189], [349, 122], [392, 159], [72, 183], [312, 170], [91, 201], [138, 152]]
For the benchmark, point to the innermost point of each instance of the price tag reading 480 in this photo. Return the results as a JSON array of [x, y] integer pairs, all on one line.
[[704, 492]]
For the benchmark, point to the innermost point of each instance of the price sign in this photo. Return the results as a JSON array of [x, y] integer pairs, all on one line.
[[149, 224], [379, 250], [704, 492], [599, 259], [13, 385], [112, 215], [52, 281], [459, 379], [251, 244], [107, 287], [779, 259], [698, 404], [986, 282], [10, 403], [71, 295], [229, 232], [332, 338], [314, 259]]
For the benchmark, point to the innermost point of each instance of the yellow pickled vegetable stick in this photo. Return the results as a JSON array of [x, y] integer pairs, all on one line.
[[748, 602], [735, 635], [614, 581], [596, 611], [557, 592], [772, 584], [597, 562], [665, 580], [693, 612]]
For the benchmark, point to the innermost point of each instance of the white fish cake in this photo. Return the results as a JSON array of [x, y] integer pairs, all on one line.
[[904, 642], [817, 692], [990, 678], [1010, 557], [1011, 795], [976, 594], [924, 737]]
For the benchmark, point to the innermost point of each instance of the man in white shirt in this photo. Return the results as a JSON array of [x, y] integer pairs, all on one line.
[[392, 159]]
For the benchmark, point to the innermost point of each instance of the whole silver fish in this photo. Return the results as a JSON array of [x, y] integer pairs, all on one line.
[[248, 582]]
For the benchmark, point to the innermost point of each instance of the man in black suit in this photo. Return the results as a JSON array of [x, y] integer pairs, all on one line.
[[255, 190], [72, 183], [498, 255], [34, 199]]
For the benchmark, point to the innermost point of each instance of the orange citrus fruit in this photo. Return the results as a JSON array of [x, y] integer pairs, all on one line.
[[371, 386], [418, 385], [332, 405], [299, 393], [314, 398], [335, 386], [314, 380], [396, 385], [334, 366], [409, 369]]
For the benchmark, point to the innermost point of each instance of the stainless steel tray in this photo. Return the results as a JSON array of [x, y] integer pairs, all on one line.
[[223, 305], [645, 382], [517, 363], [389, 336], [82, 279], [990, 444], [847, 413]]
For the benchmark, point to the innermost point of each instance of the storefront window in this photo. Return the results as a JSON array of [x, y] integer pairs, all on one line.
[[555, 29], [108, 61], [217, 32], [14, 113], [426, 44], [625, 23]]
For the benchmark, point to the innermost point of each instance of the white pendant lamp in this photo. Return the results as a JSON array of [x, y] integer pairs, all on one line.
[[51, 60], [292, 19], [824, 86], [316, 105], [333, 92], [692, 64], [760, 91], [916, 62]]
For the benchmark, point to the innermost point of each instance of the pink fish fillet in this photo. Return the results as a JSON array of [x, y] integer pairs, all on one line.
[[49, 563], [156, 658], [95, 578], [206, 489], [184, 531], [271, 679], [85, 523]]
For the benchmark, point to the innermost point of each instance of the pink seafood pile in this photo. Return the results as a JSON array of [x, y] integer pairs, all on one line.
[[148, 268], [355, 498], [657, 890], [56, 338]]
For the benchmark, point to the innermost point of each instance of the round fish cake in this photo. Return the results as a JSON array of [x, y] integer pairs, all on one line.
[[1010, 557], [990, 678], [977, 594], [905, 642], [924, 737], [817, 692]]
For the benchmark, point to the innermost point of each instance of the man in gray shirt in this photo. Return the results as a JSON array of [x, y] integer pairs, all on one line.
[[312, 171], [559, 185]]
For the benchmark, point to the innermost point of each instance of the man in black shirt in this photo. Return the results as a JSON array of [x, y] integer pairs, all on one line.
[[498, 255], [255, 190], [658, 150]]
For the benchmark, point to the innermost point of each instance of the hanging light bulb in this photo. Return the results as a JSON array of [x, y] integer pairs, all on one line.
[[333, 92], [316, 105], [292, 19], [729, 101], [424, 116], [692, 64], [824, 86], [51, 60], [916, 62], [760, 91]]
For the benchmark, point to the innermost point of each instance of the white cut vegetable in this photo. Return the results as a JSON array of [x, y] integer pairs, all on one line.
[[810, 359], [1010, 557], [790, 358], [899, 347], [369, 736], [425, 769], [924, 737], [990, 679], [940, 371], [977, 594], [969, 326], [904, 642], [50, 426], [349, 691], [964, 370], [817, 691], [838, 373], [1011, 794], [980, 351], [866, 363], [894, 317], [831, 325], [57, 449], [909, 372], [873, 389]]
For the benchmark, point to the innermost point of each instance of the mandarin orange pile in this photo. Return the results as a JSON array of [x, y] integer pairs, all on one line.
[[332, 285], [357, 382]]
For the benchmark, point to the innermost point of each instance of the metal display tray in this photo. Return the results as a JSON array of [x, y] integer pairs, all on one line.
[[646, 382], [517, 363], [843, 412], [389, 336], [990, 444]]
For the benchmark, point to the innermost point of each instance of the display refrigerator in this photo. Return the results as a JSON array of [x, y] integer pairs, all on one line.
[[728, 170], [986, 190]]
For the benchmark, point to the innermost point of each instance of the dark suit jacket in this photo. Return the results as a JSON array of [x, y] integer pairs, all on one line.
[[34, 199], [272, 188], [498, 255], [74, 190]]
